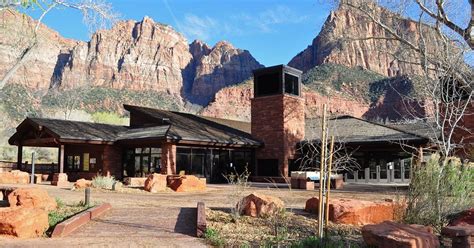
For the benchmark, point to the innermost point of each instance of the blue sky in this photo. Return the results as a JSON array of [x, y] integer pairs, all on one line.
[[273, 31]]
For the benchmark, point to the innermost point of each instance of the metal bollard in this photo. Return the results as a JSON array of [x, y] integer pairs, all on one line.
[[32, 180], [87, 196]]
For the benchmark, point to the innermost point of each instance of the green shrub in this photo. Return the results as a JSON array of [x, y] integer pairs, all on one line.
[[109, 118], [438, 189], [213, 237], [101, 99], [103, 182], [19, 102], [63, 212], [334, 76]]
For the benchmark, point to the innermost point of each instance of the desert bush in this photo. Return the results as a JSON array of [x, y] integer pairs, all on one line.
[[213, 237], [19, 102], [439, 188], [103, 182], [239, 185]]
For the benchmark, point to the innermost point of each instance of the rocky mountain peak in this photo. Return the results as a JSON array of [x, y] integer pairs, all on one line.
[[199, 49], [133, 55], [336, 43]]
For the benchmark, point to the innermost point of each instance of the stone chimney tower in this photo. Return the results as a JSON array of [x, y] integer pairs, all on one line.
[[278, 118]]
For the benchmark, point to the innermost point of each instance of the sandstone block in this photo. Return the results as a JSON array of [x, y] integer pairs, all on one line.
[[23, 222], [258, 205], [82, 184], [465, 218], [356, 212], [187, 183], [155, 183], [14, 177], [60, 180], [32, 198], [396, 235], [135, 181]]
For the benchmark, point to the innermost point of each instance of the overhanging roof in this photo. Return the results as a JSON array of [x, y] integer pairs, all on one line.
[[350, 129], [178, 128], [185, 127]]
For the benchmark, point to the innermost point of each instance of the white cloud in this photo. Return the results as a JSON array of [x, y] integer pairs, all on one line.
[[266, 20], [195, 27], [206, 27]]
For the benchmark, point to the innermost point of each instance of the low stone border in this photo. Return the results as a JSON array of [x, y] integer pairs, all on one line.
[[201, 223], [461, 236], [70, 225]]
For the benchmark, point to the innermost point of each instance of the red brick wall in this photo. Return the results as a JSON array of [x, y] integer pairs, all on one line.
[[112, 161], [463, 136], [168, 159], [279, 122]]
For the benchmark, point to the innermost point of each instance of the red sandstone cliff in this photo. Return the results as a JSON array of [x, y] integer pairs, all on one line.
[[15, 36], [132, 55], [335, 43], [234, 103]]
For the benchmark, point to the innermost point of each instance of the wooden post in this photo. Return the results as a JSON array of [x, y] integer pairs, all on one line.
[[32, 168], [321, 173], [19, 159], [61, 159], [328, 187]]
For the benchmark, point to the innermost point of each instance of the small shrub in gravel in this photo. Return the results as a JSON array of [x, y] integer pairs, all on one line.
[[103, 182]]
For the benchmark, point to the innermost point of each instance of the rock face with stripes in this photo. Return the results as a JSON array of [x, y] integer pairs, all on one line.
[[134, 55]]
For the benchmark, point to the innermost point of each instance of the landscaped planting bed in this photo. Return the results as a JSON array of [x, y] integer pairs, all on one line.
[[286, 229], [64, 212]]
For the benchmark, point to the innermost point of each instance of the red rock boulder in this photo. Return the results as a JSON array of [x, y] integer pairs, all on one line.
[[396, 235], [257, 205], [82, 184], [14, 177], [135, 181], [32, 198], [155, 183], [23, 222], [60, 180], [356, 212], [465, 218], [187, 183]]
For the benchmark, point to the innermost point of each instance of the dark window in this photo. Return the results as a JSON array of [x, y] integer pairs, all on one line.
[[291, 84], [140, 162], [268, 84], [292, 166], [267, 167]]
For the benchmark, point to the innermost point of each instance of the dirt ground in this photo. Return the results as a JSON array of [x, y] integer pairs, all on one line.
[[142, 219]]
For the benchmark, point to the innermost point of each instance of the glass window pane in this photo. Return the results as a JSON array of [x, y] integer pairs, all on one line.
[[155, 150], [145, 164], [138, 150], [70, 162], [146, 150], [137, 165], [291, 84], [155, 163], [183, 163], [197, 164], [77, 162]]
